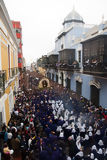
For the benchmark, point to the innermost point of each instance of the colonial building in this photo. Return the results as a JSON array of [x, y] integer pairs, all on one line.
[[41, 64], [82, 59], [51, 68], [18, 29], [9, 75], [73, 28], [92, 82]]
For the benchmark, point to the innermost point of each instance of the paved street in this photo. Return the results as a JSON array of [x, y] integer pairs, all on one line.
[[54, 123]]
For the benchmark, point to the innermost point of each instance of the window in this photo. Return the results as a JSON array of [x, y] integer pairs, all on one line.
[[79, 56], [17, 30], [9, 59], [19, 60], [62, 46], [19, 50]]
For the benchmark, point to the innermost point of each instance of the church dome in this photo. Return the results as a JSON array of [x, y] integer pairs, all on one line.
[[73, 17]]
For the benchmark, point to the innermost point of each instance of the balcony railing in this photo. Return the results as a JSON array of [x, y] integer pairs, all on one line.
[[16, 70], [12, 72], [53, 66], [2, 82], [67, 67], [95, 67]]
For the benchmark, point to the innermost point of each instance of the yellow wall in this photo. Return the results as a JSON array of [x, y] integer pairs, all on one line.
[[16, 59], [5, 40], [4, 58], [12, 66], [7, 90], [7, 110]]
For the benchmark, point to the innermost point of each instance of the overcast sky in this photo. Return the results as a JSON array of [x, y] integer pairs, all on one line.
[[42, 20]]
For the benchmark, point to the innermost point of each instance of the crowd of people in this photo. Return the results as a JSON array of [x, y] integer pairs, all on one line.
[[51, 124]]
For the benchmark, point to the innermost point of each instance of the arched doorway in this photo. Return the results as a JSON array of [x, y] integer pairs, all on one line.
[[62, 77], [95, 95], [79, 88], [95, 91], [68, 81], [52, 77], [57, 78]]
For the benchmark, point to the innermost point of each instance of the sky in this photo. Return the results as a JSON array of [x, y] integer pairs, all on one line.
[[41, 21]]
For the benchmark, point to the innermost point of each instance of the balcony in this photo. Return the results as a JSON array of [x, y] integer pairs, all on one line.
[[68, 67], [2, 82], [18, 35], [12, 72], [52, 66], [16, 70], [95, 68]]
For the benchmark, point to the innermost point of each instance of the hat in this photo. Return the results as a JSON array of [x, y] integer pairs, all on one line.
[[100, 143], [21, 124], [61, 134], [61, 118], [59, 128], [11, 151], [55, 117], [92, 156], [94, 147], [80, 154], [98, 132], [86, 137], [82, 129], [68, 127], [68, 158], [9, 135], [73, 130], [100, 151], [78, 138], [90, 134], [90, 129]]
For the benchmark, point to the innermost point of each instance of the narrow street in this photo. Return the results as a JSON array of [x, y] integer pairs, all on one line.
[[53, 80], [53, 123]]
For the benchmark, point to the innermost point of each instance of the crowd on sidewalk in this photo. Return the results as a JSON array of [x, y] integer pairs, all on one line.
[[51, 124]]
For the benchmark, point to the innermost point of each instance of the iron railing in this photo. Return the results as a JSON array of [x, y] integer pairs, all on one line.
[[2, 82], [95, 67]]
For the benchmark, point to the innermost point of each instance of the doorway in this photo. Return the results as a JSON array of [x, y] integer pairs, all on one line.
[[94, 95], [0, 120], [68, 81], [57, 78], [79, 88], [52, 77], [62, 77]]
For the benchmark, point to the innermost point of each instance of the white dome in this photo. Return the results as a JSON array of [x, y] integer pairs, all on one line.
[[73, 17]]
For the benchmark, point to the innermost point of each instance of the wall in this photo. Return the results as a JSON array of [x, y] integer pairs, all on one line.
[[7, 110], [86, 87], [7, 37]]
